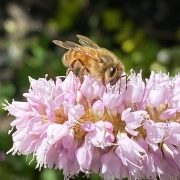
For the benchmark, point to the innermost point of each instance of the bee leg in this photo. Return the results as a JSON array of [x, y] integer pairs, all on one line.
[[103, 82], [81, 75], [78, 68], [74, 67], [126, 81], [68, 70], [82, 72]]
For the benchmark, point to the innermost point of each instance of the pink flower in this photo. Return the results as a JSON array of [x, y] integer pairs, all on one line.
[[133, 120], [174, 101], [169, 113], [172, 155], [173, 134], [131, 154], [135, 88], [122, 131], [112, 166], [112, 99], [98, 108], [91, 88], [155, 133], [84, 155], [157, 90], [100, 134]]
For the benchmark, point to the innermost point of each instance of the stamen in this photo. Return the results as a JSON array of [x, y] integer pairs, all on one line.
[[60, 116]]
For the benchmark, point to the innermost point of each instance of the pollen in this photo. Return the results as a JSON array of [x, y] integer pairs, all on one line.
[[60, 116], [155, 113], [79, 133], [89, 116]]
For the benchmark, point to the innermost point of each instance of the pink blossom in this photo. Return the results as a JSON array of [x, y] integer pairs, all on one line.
[[131, 154], [169, 113], [174, 101], [172, 154], [100, 134], [98, 108], [91, 88], [84, 155], [155, 133], [157, 90], [173, 134], [133, 120], [135, 88], [112, 166], [128, 130], [112, 99]]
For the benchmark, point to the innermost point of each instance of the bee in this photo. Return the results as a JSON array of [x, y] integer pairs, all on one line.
[[89, 58]]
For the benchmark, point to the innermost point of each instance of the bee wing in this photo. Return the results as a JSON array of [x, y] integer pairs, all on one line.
[[84, 41], [71, 45], [67, 44], [76, 47]]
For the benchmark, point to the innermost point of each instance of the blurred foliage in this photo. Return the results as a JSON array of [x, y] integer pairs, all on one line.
[[144, 35]]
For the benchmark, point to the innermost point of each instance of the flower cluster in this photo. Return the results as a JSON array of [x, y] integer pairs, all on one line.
[[131, 129]]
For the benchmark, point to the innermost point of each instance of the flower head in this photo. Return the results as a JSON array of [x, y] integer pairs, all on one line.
[[91, 127]]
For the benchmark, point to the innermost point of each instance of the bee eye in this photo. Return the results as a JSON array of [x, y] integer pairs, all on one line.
[[112, 71]]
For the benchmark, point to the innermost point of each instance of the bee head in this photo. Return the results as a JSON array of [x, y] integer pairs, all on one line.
[[113, 68], [113, 73]]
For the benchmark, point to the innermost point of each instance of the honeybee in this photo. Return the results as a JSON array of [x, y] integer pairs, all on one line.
[[89, 58]]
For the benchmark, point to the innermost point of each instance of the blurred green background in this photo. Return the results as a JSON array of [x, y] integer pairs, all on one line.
[[144, 34]]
